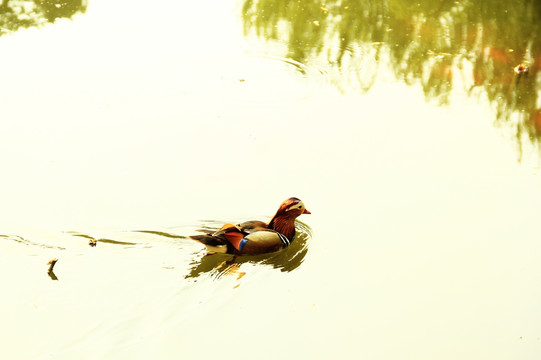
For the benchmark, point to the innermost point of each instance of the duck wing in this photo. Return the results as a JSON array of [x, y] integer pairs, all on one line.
[[250, 237], [251, 226]]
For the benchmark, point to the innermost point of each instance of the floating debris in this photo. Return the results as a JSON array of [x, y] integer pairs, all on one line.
[[93, 242], [50, 272], [241, 274], [521, 69], [51, 264]]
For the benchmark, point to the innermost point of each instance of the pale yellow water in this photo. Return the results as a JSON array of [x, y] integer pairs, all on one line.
[[136, 123]]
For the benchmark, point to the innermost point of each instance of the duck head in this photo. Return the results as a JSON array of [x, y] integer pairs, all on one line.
[[292, 207], [284, 219]]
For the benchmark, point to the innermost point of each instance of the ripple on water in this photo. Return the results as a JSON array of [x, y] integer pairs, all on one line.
[[170, 248], [93, 241], [27, 242], [260, 80]]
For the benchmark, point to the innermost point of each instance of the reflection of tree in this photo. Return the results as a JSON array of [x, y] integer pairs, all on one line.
[[15, 14], [439, 44]]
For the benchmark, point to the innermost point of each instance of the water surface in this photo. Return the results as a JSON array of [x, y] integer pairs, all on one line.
[[410, 131]]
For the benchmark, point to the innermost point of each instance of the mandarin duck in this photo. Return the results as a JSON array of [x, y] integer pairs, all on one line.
[[256, 237]]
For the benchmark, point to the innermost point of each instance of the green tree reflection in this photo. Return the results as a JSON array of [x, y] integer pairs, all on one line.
[[491, 48], [16, 14]]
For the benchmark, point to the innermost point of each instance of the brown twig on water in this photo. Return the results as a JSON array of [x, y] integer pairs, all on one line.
[[51, 264]]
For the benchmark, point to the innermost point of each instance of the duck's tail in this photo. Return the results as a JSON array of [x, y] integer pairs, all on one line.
[[221, 240]]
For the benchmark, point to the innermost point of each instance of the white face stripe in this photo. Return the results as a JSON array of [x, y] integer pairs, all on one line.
[[299, 205]]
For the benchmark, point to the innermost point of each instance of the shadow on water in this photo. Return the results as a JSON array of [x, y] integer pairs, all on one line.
[[491, 49], [16, 14]]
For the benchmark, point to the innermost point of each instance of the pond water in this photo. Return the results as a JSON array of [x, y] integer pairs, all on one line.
[[410, 131]]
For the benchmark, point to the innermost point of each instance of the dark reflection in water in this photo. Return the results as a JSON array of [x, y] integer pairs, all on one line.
[[52, 275], [491, 48], [15, 14]]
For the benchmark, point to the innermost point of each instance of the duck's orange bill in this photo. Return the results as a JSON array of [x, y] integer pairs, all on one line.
[[306, 211]]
